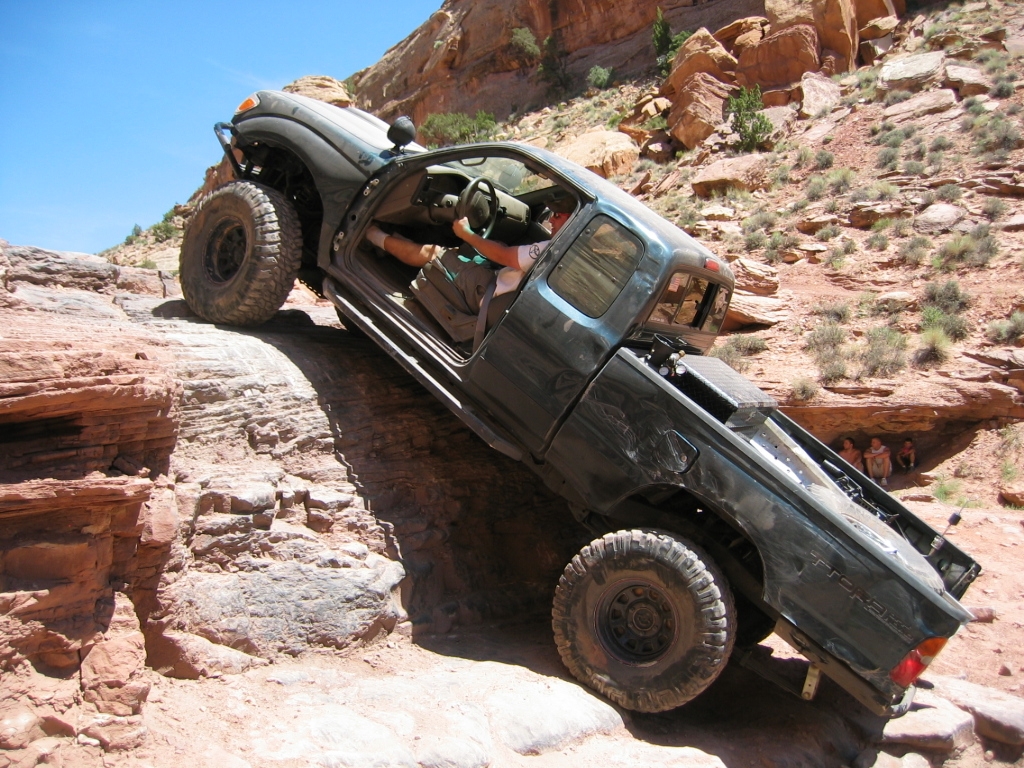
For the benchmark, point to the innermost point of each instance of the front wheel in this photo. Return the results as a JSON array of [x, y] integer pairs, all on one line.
[[240, 255], [645, 618]]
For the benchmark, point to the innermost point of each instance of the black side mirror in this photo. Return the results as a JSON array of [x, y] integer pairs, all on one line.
[[402, 132]]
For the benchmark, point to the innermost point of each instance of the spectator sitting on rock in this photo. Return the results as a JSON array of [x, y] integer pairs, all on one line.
[[852, 454], [878, 460], [907, 456]]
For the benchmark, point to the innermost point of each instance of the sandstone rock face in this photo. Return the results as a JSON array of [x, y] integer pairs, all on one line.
[[869, 10], [697, 109], [461, 59], [700, 53], [912, 73], [780, 58], [879, 28], [834, 20], [742, 33], [997, 715], [967, 81], [755, 278], [927, 103], [606, 153], [820, 95], [321, 87], [747, 172]]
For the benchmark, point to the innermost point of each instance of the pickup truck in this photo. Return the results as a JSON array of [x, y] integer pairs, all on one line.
[[717, 519]]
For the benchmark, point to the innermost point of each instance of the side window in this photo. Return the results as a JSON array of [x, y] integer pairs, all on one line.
[[689, 300], [596, 267]]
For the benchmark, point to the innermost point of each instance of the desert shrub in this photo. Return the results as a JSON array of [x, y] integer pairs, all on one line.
[[750, 125], [882, 190], [902, 227], [523, 45], [816, 187], [754, 240], [917, 150], [1007, 331], [884, 353], [945, 488], [895, 97], [835, 259], [878, 241], [832, 311], [913, 168], [552, 69], [447, 128], [840, 180], [888, 158], [934, 347], [147, 264], [848, 246], [776, 242], [881, 225], [600, 78], [828, 233], [915, 250], [826, 340], [781, 174], [974, 249], [949, 193], [940, 143], [759, 221], [803, 156], [665, 43], [164, 231], [736, 348], [947, 296], [823, 159], [955, 327], [832, 370], [1002, 90], [135, 235], [995, 133], [803, 389], [749, 345], [993, 208]]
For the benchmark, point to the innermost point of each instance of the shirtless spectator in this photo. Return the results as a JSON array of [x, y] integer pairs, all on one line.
[[907, 456], [852, 454], [878, 460]]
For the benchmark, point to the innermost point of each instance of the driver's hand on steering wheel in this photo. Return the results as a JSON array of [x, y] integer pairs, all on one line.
[[461, 228]]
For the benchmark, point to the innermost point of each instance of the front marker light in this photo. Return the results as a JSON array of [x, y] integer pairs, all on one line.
[[914, 663], [245, 106]]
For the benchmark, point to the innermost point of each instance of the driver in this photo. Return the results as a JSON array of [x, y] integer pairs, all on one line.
[[516, 260]]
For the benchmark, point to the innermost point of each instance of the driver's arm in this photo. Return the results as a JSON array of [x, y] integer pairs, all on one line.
[[506, 255]]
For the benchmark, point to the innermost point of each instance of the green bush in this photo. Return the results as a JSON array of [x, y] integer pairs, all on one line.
[[878, 241], [524, 45], [827, 233], [135, 235], [750, 125], [826, 340], [1007, 331], [915, 250], [934, 347], [600, 78], [948, 296], [736, 348], [755, 240], [974, 249], [552, 68], [840, 180], [164, 231], [816, 187], [447, 128], [884, 353], [940, 143], [895, 97], [954, 327], [823, 160], [803, 389], [832, 311], [993, 208], [949, 193], [832, 370], [888, 158], [1002, 90], [665, 43]]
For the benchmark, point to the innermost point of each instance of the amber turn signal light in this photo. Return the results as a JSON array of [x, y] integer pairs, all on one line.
[[914, 663], [248, 104]]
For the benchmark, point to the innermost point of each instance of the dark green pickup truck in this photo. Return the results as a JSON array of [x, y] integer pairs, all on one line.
[[719, 520]]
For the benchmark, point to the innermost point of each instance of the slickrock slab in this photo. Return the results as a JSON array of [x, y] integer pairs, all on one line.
[[997, 715], [820, 95], [927, 103], [938, 218], [933, 723], [967, 81], [747, 172], [912, 73]]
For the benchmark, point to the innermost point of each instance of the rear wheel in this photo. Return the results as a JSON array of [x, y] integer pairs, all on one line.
[[240, 255], [645, 618]]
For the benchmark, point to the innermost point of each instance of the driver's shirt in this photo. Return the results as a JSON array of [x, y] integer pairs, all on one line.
[[509, 278]]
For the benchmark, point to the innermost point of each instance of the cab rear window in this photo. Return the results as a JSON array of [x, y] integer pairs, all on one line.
[[692, 302], [597, 266]]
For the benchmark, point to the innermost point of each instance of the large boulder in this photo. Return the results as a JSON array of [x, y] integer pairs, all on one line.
[[912, 73], [698, 108], [867, 11], [700, 53], [606, 153], [938, 218], [820, 94], [781, 58], [927, 103], [742, 33], [967, 81], [878, 28], [834, 20], [321, 87], [746, 172]]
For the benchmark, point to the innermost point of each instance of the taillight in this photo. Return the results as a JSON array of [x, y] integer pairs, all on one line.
[[245, 106], [914, 663], [711, 264]]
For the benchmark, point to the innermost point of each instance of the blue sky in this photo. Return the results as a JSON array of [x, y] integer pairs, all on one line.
[[109, 106]]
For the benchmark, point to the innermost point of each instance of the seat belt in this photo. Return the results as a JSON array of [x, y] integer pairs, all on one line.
[[481, 318]]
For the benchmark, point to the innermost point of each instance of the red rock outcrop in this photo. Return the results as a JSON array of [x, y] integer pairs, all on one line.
[[834, 20], [780, 58], [700, 53], [462, 60], [697, 109]]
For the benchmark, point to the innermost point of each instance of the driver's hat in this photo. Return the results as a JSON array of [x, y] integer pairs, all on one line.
[[561, 203]]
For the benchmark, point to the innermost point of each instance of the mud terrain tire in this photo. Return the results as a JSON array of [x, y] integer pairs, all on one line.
[[240, 255], [645, 618]]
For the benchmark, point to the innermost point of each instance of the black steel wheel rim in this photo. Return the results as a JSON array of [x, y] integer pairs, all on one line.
[[636, 622], [225, 253]]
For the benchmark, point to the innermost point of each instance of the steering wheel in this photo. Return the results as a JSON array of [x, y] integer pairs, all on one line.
[[479, 203]]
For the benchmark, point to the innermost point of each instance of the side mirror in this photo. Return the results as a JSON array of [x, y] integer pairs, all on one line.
[[402, 132]]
